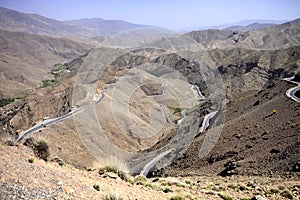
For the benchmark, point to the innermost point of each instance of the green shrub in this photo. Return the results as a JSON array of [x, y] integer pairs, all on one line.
[[59, 161], [149, 186], [274, 191], [120, 173], [286, 194], [31, 160], [4, 102], [242, 187], [140, 178], [176, 198], [155, 180], [175, 110], [41, 150], [167, 190], [111, 197], [225, 196], [48, 82], [107, 169], [96, 187]]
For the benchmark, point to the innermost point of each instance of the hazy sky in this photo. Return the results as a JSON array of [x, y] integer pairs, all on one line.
[[173, 14]]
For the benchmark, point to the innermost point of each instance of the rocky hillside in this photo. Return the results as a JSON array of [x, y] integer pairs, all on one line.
[[275, 37], [245, 70], [26, 60]]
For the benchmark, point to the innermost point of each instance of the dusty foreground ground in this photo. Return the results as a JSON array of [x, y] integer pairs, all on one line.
[[23, 176]]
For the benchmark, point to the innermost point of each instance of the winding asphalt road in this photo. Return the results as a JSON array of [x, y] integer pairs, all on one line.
[[207, 118], [48, 122], [291, 92], [153, 162]]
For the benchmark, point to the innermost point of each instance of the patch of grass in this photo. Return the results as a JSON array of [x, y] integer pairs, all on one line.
[[175, 110], [232, 186], [107, 169], [225, 196], [59, 161], [286, 194], [4, 102], [176, 184], [111, 197], [48, 82], [120, 173], [209, 187], [188, 182], [140, 178], [167, 190], [139, 183], [274, 191], [31, 160], [149, 186], [129, 180], [176, 198], [96, 187]]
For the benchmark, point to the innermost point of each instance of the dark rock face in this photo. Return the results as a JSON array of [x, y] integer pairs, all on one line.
[[230, 169]]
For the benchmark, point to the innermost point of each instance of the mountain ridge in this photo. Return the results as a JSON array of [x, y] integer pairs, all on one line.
[[13, 20]]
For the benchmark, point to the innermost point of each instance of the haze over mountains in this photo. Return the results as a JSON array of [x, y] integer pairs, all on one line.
[[51, 68], [84, 28]]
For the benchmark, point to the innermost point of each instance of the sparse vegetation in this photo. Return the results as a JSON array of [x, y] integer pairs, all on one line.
[[31, 160], [149, 186], [107, 169], [120, 173], [225, 196], [286, 194], [274, 191], [280, 187], [242, 187], [48, 82], [140, 178], [4, 102], [176, 198], [96, 187], [41, 150], [111, 197], [59, 161], [155, 180], [175, 110], [167, 190]]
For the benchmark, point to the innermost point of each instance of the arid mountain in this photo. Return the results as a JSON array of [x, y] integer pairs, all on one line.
[[26, 60], [254, 26], [275, 37], [85, 28], [36, 24], [260, 136], [104, 27], [261, 132]]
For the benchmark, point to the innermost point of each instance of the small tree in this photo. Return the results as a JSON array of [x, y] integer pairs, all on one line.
[[41, 150]]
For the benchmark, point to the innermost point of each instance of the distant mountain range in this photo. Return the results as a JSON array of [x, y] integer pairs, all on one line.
[[84, 28], [242, 25], [267, 37]]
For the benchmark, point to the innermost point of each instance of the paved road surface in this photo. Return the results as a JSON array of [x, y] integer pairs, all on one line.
[[291, 92]]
